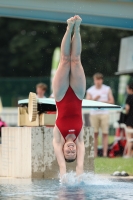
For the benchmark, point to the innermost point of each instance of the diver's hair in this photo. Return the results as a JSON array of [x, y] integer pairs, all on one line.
[[130, 86], [70, 160]]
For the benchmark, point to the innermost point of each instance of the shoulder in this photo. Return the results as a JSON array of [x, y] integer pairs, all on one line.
[[91, 89], [129, 99], [106, 87]]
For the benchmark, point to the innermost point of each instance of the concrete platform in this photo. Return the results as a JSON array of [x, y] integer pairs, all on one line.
[[27, 152]]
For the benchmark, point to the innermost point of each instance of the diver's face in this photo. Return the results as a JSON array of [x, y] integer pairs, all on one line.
[[69, 150]]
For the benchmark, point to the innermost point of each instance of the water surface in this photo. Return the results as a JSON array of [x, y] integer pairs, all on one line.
[[89, 187]]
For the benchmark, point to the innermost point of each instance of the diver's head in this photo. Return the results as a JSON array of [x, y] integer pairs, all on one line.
[[70, 151]]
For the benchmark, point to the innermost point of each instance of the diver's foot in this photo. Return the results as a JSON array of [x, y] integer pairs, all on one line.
[[78, 21], [70, 22]]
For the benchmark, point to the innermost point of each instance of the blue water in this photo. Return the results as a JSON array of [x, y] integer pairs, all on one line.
[[88, 187]]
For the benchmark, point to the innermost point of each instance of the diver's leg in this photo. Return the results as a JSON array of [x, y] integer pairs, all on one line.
[[61, 79], [77, 76]]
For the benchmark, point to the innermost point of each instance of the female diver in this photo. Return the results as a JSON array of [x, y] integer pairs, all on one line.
[[69, 87]]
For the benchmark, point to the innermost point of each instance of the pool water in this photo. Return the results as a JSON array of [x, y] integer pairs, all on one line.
[[89, 187]]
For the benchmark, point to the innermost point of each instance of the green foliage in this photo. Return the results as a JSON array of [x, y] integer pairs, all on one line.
[[101, 49], [27, 47]]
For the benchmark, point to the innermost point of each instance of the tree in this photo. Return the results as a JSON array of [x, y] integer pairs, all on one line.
[[27, 47]]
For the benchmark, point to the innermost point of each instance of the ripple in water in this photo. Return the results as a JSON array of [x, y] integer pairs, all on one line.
[[86, 186]]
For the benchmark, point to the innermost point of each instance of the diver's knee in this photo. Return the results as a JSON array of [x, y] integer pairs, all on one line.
[[65, 59], [75, 60]]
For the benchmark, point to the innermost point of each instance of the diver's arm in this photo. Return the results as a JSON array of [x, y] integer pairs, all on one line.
[[60, 157], [80, 157]]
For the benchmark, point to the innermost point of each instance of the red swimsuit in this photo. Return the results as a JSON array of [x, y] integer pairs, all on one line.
[[69, 120]]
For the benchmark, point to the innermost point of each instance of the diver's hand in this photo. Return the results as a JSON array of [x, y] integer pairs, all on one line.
[[79, 170], [62, 171], [63, 178]]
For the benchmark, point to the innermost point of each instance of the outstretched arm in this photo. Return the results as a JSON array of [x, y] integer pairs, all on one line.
[[80, 154], [80, 158], [60, 157]]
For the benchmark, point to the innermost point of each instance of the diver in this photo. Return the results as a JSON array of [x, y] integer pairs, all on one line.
[[69, 86]]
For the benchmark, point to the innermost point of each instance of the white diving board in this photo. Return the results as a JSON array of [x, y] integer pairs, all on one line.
[[105, 13], [85, 103]]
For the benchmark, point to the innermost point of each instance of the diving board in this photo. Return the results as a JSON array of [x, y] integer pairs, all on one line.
[[42, 111], [109, 13], [85, 103]]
